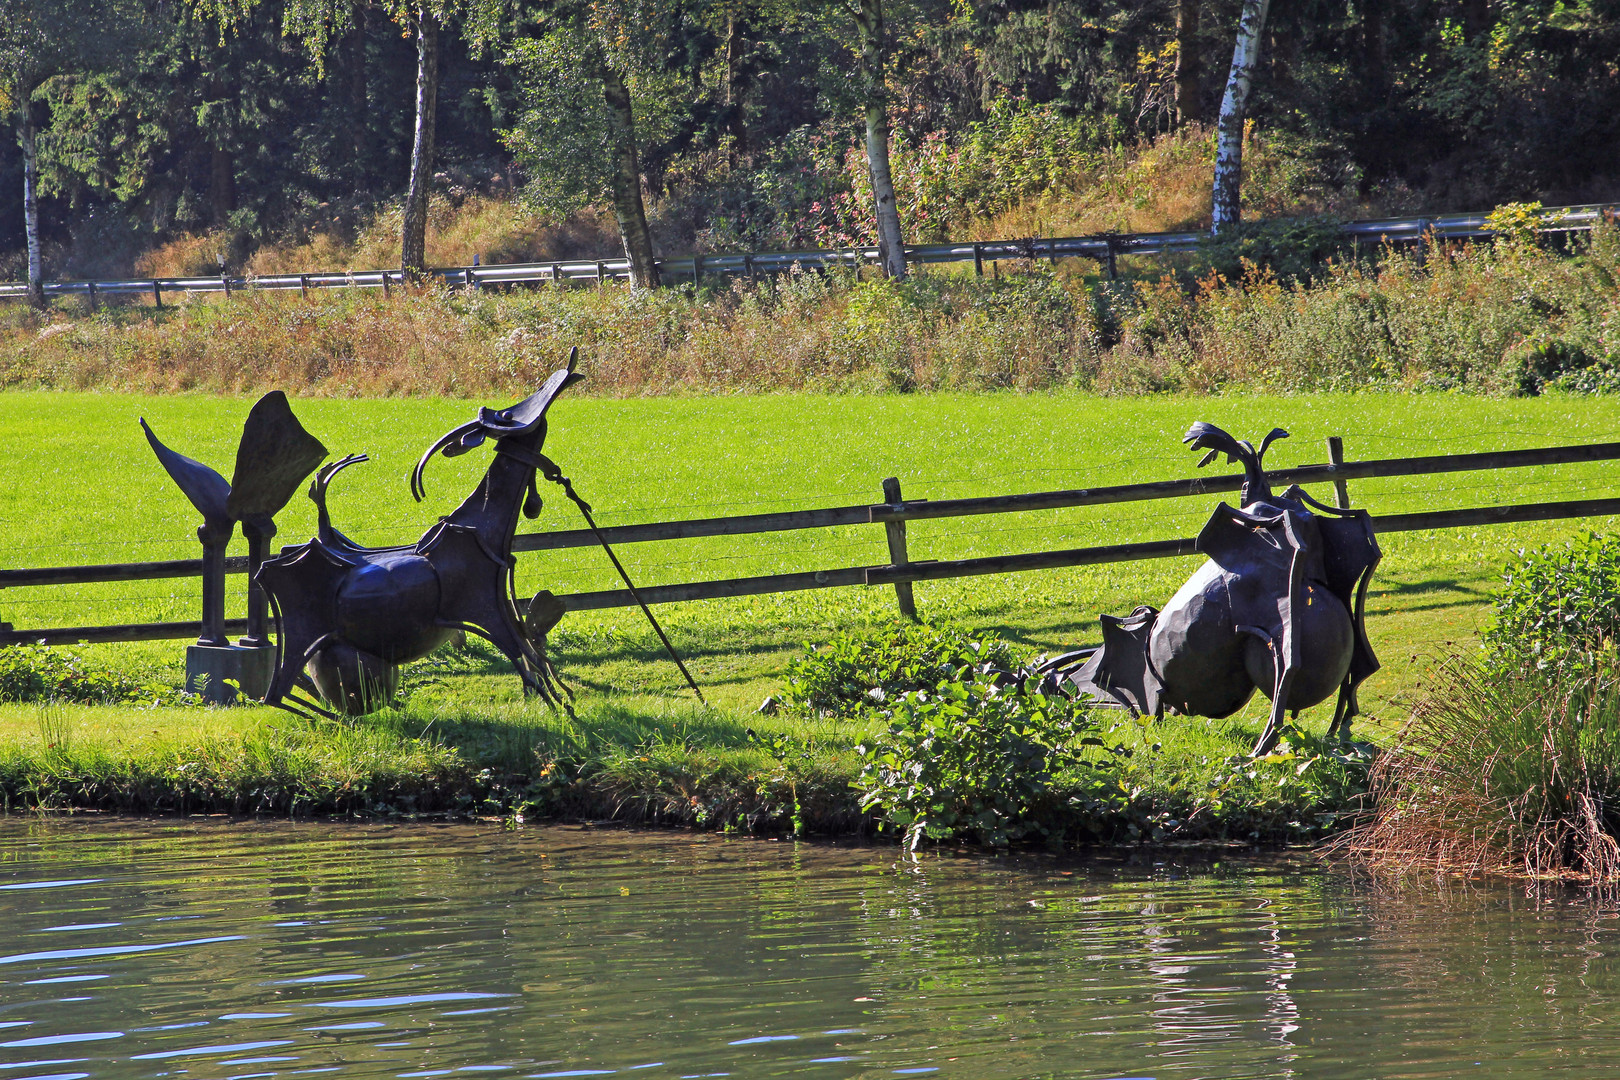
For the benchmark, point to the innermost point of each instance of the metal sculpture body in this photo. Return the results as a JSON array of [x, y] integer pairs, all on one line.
[[1280, 605], [350, 615]]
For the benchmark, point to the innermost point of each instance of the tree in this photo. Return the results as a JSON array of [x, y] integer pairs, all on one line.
[[590, 75], [38, 40], [1225, 207], [869, 29], [317, 24], [1189, 64]]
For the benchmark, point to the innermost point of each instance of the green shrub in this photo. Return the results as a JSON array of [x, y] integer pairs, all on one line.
[[1557, 611], [1293, 249], [38, 673], [863, 672], [992, 762]]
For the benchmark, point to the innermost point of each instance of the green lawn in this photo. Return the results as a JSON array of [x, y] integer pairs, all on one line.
[[84, 488]]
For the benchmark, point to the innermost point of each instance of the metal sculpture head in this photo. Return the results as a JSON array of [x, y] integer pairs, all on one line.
[[525, 421], [1206, 436], [1280, 605]]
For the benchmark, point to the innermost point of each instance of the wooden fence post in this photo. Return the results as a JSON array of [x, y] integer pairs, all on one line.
[[897, 548], [1341, 490]]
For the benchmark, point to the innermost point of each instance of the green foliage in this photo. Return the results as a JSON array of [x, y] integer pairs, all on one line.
[[1306, 781], [1516, 223], [859, 673], [39, 673], [971, 758], [1291, 249], [1557, 612]]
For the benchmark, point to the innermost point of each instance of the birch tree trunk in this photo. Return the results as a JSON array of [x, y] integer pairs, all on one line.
[[25, 139], [628, 207], [413, 241], [891, 246], [1229, 130], [1189, 64]]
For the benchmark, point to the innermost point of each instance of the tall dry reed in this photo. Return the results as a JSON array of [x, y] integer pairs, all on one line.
[[1497, 774]]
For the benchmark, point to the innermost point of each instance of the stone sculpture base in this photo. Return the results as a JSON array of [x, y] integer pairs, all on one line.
[[210, 669]]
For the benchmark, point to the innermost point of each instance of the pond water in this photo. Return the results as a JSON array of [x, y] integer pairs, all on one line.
[[204, 949]]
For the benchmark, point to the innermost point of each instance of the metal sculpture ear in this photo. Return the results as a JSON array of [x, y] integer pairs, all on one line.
[[520, 419], [207, 490], [272, 460]]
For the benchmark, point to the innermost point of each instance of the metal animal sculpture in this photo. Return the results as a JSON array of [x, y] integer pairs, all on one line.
[[350, 615], [1279, 605]]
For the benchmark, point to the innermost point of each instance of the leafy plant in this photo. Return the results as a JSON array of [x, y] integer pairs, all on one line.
[[1558, 610], [995, 762], [859, 673], [38, 673]]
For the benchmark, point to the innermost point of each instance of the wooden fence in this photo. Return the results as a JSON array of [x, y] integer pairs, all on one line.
[[1106, 248], [901, 570]]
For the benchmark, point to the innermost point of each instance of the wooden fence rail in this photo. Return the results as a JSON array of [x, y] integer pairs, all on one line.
[[901, 570], [1106, 248]]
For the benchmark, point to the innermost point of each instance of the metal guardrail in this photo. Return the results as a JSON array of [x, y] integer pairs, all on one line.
[[892, 514], [1105, 248]]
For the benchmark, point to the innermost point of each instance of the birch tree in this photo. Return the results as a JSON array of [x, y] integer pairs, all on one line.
[[872, 57], [1227, 188], [40, 39], [317, 24]]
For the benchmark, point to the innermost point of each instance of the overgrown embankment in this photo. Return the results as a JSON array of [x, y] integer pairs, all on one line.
[[900, 731], [1493, 318]]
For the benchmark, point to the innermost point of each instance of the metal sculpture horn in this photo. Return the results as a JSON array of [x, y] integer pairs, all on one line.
[[1280, 605]]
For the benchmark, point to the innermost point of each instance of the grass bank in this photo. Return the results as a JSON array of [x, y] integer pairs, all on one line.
[[464, 741], [1497, 319]]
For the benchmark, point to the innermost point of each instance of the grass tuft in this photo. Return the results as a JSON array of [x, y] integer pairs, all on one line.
[[1498, 774]]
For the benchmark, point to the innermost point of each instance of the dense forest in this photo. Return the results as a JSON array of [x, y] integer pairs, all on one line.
[[745, 124]]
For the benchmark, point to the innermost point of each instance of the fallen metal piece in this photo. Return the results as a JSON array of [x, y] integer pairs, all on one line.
[[1280, 605]]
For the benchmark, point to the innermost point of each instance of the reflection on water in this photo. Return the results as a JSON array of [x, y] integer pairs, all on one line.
[[170, 950]]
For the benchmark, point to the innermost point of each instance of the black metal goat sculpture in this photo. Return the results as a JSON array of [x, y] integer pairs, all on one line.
[[1279, 605], [351, 615]]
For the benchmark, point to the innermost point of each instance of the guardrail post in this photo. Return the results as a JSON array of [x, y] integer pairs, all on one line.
[[95, 301], [978, 259], [748, 268], [556, 274], [157, 295], [600, 271], [1341, 490], [303, 284], [1113, 269], [897, 548], [697, 269]]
